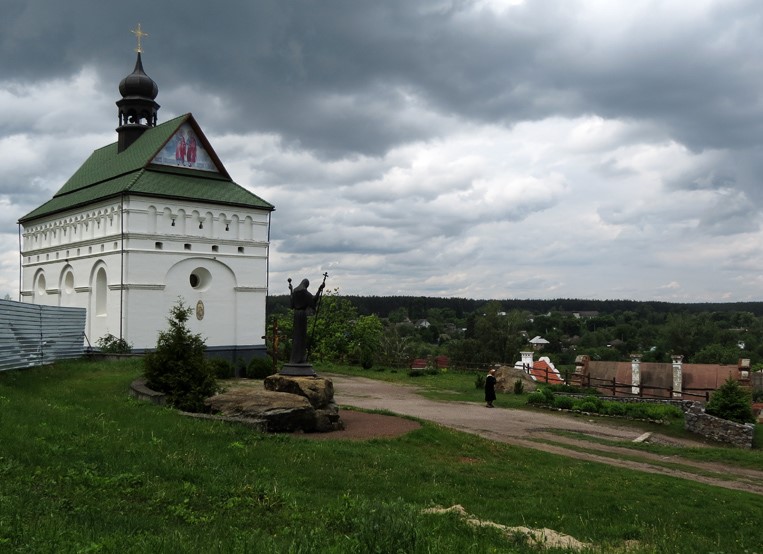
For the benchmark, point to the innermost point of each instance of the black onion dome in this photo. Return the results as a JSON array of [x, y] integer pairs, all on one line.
[[138, 83]]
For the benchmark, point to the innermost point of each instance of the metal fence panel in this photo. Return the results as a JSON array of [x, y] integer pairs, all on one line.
[[32, 334]]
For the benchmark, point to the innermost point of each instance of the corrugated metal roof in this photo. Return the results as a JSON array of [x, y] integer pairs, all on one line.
[[108, 173]]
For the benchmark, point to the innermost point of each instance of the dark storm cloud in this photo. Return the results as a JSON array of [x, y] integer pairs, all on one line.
[[332, 75]]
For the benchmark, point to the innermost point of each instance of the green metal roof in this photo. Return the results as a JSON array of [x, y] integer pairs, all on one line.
[[108, 173]]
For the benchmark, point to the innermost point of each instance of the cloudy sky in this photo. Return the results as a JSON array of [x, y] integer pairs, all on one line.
[[471, 148]]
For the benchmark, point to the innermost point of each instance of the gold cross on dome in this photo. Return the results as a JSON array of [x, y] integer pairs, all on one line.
[[139, 34]]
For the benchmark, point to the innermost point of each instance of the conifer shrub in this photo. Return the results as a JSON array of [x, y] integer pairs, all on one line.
[[519, 387], [177, 367], [731, 402], [479, 381]]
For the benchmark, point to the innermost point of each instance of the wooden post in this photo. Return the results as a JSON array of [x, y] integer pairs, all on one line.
[[275, 344]]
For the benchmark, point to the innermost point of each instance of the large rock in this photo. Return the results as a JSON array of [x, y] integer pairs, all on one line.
[[280, 412], [287, 404], [319, 391], [506, 376]]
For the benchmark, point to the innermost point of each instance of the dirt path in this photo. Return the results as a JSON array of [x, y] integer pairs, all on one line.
[[534, 429]]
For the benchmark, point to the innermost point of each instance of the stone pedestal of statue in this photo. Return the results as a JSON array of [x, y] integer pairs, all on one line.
[[285, 404], [298, 370], [318, 391]]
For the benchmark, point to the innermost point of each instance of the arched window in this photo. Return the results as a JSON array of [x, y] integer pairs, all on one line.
[[100, 292], [40, 285], [66, 288]]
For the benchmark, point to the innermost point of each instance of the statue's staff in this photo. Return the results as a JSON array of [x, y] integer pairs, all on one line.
[[318, 298]]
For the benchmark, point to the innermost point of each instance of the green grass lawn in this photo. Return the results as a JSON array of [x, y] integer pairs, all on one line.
[[84, 468]]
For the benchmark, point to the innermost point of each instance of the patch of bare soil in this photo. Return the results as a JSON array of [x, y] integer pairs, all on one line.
[[364, 426]]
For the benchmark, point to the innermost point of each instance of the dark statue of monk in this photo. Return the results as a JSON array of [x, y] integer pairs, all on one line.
[[302, 302]]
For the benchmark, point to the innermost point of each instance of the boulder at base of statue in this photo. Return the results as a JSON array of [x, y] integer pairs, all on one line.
[[319, 391], [280, 412]]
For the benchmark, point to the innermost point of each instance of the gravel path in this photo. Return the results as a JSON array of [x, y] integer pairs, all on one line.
[[531, 429]]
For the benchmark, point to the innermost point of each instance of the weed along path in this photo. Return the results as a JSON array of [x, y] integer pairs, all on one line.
[[539, 430]]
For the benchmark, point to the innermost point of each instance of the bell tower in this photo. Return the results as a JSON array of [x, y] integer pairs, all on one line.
[[137, 108]]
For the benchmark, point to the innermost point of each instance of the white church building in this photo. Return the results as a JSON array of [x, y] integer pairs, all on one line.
[[146, 221]]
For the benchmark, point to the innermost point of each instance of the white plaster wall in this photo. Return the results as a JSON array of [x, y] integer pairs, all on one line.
[[157, 259], [81, 293]]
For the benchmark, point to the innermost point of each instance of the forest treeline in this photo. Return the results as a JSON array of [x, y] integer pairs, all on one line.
[[418, 306], [392, 330]]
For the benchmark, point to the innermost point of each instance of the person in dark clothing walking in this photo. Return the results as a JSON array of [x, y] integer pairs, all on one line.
[[490, 388]]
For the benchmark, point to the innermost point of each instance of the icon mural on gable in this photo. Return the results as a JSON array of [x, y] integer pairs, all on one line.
[[185, 150]]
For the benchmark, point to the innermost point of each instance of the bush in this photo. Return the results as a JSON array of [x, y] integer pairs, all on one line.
[[415, 372], [221, 368], [731, 402], [595, 401], [519, 386], [536, 397], [548, 394], [259, 368], [637, 411], [616, 409], [177, 367], [563, 402], [662, 412], [109, 344], [587, 406]]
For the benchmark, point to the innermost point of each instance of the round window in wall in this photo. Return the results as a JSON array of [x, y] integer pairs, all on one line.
[[200, 278]]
